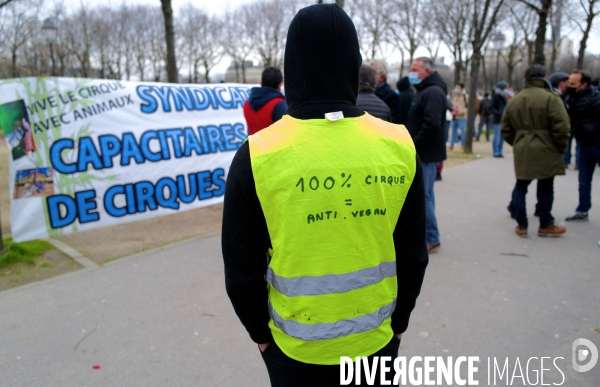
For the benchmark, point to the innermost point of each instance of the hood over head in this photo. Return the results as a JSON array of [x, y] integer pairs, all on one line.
[[322, 61], [259, 96], [403, 84]]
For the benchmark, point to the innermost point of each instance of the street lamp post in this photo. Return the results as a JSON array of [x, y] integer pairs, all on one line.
[[49, 30], [498, 42]]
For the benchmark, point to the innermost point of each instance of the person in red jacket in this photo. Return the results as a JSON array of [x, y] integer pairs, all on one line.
[[266, 104]]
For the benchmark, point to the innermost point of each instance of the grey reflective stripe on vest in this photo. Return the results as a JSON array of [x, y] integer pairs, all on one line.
[[324, 331], [330, 283]]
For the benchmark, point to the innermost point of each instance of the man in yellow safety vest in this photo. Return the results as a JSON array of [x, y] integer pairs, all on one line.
[[324, 217]]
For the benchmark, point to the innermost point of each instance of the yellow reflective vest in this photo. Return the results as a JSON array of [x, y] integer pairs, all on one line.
[[331, 193]]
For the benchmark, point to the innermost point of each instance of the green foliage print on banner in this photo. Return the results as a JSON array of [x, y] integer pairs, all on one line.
[[64, 184]]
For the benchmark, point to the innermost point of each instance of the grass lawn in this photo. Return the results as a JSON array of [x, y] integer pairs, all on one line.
[[26, 262]]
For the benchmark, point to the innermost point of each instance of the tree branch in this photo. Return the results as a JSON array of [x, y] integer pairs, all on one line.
[[5, 2], [527, 3]]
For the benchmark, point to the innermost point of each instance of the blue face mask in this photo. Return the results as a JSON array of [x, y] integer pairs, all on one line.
[[457, 91], [413, 78]]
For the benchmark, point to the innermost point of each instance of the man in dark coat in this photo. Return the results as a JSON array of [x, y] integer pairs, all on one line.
[[426, 124], [536, 124], [406, 98], [499, 101], [366, 99], [559, 80], [584, 109], [486, 117], [384, 91]]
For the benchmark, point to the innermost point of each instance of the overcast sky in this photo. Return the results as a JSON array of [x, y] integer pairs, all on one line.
[[219, 6]]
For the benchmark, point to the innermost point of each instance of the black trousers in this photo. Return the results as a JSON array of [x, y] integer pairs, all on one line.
[[287, 372], [545, 198]]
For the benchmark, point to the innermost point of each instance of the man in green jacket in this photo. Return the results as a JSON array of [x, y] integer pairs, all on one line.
[[535, 122]]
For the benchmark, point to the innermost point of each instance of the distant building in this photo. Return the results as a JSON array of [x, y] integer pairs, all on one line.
[[253, 73]]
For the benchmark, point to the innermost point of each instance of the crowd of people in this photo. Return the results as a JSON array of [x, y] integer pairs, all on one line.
[[541, 136], [327, 287]]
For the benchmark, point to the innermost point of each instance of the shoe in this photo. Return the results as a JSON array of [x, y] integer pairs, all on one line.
[[431, 247], [578, 217], [438, 177], [450, 147], [566, 166], [462, 148], [498, 156], [551, 231], [522, 232], [576, 168]]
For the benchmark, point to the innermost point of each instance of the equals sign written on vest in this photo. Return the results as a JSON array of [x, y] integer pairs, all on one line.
[[348, 202]]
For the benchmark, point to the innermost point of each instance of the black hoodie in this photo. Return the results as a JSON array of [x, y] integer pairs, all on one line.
[[322, 60], [406, 98], [427, 119]]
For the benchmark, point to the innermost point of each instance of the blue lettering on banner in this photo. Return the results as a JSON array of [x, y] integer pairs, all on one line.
[[82, 208], [169, 143], [138, 197], [190, 98]]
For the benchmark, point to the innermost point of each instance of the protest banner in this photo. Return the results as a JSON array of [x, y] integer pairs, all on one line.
[[89, 153]]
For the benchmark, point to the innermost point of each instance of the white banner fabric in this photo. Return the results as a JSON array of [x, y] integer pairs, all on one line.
[[89, 153]]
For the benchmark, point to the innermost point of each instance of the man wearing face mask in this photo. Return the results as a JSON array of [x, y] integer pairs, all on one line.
[[559, 81], [426, 124], [583, 101]]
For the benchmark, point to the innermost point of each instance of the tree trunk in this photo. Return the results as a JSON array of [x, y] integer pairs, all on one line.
[[554, 46], [584, 38], [475, 62], [14, 64], [540, 33], [170, 38], [486, 80], [402, 64], [237, 71], [206, 70], [457, 66]]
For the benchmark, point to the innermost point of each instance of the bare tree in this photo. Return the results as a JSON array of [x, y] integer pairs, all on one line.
[[485, 17], [200, 35], [235, 40], [371, 25], [157, 46], [268, 32], [20, 22], [453, 22], [583, 18], [7, 2], [543, 12], [78, 39], [406, 25], [145, 33], [167, 10], [514, 52], [527, 21]]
